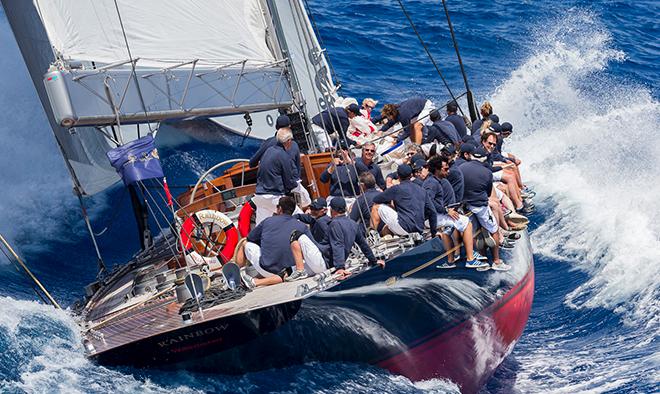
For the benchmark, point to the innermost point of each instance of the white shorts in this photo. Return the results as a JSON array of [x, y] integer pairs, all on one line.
[[267, 206], [497, 176], [391, 218], [302, 195], [321, 137], [314, 262], [447, 221], [424, 115], [253, 255], [485, 217]]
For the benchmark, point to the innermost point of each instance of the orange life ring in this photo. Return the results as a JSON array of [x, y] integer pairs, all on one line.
[[203, 231]]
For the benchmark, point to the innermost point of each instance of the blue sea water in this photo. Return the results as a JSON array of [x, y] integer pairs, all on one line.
[[578, 80]]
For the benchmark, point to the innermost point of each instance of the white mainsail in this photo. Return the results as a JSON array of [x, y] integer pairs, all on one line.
[[173, 40]]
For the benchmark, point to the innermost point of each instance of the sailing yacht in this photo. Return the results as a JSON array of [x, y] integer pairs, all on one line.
[[108, 72]]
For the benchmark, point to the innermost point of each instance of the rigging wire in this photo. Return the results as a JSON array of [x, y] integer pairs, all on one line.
[[471, 107], [130, 57], [428, 52], [320, 41]]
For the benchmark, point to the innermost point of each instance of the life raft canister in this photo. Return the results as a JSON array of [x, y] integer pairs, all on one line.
[[245, 217], [202, 231]]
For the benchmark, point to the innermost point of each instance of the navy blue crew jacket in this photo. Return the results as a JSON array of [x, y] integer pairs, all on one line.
[[408, 110], [455, 179], [318, 226], [478, 183], [276, 174], [407, 198], [294, 152], [273, 236], [362, 208], [344, 174], [458, 123], [333, 120], [343, 234], [373, 169], [444, 132]]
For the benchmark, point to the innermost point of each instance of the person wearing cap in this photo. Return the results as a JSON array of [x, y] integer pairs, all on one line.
[[283, 122], [413, 114], [478, 180], [412, 206], [317, 219], [454, 176], [359, 127], [342, 176], [361, 210], [330, 124], [366, 163], [368, 105], [270, 250], [275, 176], [455, 119], [442, 195], [442, 130], [343, 233], [464, 154], [420, 171]]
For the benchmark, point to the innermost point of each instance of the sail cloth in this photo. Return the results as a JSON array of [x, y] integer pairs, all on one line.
[[136, 161], [160, 32]]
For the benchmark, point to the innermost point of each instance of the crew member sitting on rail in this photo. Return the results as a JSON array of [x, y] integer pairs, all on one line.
[[455, 176], [368, 105], [366, 164], [317, 219], [412, 206], [330, 124], [442, 130], [342, 175], [413, 114], [361, 210], [359, 128], [478, 180], [420, 171], [282, 122], [486, 110], [270, 251], [275, 176], [455, 119], [444, 200], [343, 234]]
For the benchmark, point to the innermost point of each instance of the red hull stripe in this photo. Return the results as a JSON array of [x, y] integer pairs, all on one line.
[[469, 352]]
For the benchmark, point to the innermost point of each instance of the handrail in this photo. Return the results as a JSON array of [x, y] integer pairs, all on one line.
[[204, 175]]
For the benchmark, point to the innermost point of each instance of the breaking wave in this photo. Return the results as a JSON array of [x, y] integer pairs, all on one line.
[[587, 140]]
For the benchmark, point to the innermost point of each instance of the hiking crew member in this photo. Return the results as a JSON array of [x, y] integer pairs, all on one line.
[[366, 164], [269, 247], [343, 234], [409, 213], [275, 176], [413, 116], [317, 219], [478, 187], [282, 122], [442, 130], [456, 120], [361, 209], [443, 198], [342, 177], [334, 122]]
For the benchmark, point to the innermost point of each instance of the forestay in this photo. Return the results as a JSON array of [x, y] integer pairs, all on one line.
[[159, 32]]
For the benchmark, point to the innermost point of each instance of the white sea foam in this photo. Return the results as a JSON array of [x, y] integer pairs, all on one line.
[[588, 145], [588, 148]]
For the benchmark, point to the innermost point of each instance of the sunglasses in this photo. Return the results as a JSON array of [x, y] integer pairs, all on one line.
[[368, 150], [491, 143]]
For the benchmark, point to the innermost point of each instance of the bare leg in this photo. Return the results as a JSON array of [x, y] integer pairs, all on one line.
[[298, 255], [375, 218], [448, 243], [416, 133], [271, 280], [468, 242], [496, 250], [240, 256]]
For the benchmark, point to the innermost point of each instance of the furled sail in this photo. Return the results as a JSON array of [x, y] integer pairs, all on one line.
[[192, 58]]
